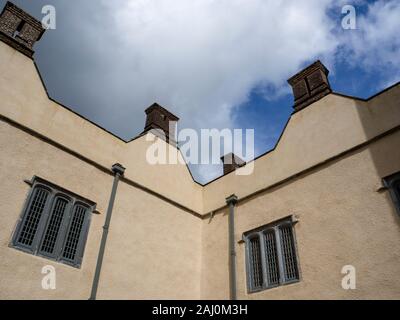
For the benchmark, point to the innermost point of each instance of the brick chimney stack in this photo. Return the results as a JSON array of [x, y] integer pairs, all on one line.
[[231, 162], [19, 29], [310, 85], [160, 118]]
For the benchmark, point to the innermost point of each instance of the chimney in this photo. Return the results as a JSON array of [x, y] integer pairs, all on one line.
[[310, 85], [160, 118], [19, 29], [231, 162]]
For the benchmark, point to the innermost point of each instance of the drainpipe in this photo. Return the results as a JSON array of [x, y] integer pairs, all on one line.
[[231, 201], [118, 171]]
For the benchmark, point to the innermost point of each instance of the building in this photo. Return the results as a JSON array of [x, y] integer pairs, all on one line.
[[325, 197]]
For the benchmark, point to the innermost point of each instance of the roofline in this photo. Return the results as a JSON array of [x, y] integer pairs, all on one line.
[[369, 98], [294, 112], [307, 170], [191, 174], [100, 127]]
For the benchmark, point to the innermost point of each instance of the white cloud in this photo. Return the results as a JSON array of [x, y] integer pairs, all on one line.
[[202, 57]]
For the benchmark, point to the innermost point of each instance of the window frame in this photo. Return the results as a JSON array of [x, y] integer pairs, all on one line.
[[80, 249], [61, 233], [23, 217], [260, 232], [392, 182], [54, 193]]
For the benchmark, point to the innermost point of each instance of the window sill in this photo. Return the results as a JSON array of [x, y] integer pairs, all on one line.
[[255, 291]]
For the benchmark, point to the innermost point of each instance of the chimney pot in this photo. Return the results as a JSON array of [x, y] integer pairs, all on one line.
[[19, 29], [231, 162], [159, 118], [310, 85]]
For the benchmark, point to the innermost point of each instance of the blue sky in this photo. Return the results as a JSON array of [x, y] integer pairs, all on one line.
[[215, 64], [268, 117]]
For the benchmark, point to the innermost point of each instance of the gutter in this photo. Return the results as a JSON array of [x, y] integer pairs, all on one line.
[[118, 171], [232, 201]]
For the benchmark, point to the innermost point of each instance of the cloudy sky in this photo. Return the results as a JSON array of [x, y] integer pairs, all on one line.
[[214, 63]]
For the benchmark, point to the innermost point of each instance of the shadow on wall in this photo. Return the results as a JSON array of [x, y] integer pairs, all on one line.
[[380, 114]]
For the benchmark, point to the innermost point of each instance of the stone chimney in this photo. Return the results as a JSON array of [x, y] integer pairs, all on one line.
[[310, 85], [231, 162], [160, 118], [19, 29]]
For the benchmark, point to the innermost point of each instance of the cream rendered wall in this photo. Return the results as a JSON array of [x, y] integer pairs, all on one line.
[[25, 101], [214, 257], [24, 156], [343, 219], [153, 248]]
